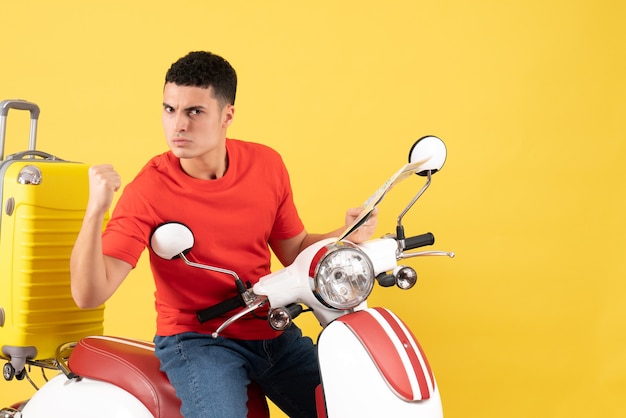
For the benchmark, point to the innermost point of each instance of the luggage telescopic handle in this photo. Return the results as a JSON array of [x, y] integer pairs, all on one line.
[[5, 105], [19, 104]]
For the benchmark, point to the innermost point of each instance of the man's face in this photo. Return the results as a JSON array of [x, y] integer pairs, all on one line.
[[194, 122]]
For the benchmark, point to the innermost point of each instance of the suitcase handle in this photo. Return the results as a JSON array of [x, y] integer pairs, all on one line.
[[34, 153], [5, 105], [18, 104]]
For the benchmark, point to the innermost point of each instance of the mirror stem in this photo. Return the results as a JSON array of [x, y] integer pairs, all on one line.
[[240, 285], [400, 237]]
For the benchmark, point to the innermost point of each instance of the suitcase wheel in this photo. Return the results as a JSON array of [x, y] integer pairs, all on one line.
[[8, 371]]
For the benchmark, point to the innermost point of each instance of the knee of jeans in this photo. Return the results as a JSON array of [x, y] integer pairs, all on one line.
[[209, 379]]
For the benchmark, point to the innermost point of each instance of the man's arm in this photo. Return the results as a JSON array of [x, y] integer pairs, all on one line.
[[287, 250], [94, 276]]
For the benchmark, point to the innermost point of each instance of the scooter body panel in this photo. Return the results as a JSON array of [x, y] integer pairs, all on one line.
[[358, 379], [87, 398]]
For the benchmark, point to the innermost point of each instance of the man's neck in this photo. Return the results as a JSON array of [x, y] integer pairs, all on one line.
[[207, 168]]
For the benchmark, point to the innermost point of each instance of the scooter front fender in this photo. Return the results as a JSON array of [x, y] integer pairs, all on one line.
[[372, 365]]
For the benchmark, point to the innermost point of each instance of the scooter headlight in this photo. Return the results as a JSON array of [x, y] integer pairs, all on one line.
[[343, 276]]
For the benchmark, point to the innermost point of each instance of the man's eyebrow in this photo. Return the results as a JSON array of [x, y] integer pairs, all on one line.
[[197, 107], [188, 109]]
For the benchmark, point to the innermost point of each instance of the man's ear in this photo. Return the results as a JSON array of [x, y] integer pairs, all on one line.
[[228, 114]]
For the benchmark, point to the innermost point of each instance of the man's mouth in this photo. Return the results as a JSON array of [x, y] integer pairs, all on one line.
[[179, 140]]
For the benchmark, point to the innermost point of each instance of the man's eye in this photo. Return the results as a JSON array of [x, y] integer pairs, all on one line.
[[168, 109], [195, 112]]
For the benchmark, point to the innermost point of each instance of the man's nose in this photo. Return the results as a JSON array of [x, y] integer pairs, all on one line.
[[181, 123]]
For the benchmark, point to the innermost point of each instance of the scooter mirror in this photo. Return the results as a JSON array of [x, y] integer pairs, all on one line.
[[171, 239], [432, 151]]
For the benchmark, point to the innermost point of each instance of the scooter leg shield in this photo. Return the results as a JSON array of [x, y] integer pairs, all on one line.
[[371, 365]]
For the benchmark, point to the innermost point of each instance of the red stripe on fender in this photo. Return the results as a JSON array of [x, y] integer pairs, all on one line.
[[405, 339], [383, 352]]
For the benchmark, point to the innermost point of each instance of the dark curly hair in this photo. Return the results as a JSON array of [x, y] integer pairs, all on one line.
[[205, 69]]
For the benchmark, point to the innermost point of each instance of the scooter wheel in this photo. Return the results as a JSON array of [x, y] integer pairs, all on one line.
[[8, 371]]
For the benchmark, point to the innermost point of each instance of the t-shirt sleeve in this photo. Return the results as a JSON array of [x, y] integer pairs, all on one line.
[[288, 223], [127, 232]]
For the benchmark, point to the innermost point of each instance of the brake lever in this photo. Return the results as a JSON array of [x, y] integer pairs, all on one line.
[[404, 255], [261, 300]]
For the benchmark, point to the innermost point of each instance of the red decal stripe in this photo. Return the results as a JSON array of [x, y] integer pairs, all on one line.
[[405, 339], [316, 259], [320, 402], [382, 350]]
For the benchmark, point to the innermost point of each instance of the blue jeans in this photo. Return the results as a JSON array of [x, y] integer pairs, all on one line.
[[211, 375]]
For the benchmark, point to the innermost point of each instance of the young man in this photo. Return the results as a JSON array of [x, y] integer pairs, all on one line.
[[236, 198]]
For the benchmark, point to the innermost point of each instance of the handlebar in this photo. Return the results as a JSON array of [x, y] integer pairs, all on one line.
[[220, 308], [419, 241], [239, 301]]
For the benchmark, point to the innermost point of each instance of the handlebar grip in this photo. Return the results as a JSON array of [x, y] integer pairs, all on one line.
[[419, 241], [220, 309]]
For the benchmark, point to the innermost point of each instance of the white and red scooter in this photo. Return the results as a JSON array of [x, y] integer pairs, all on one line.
[[370, 362]]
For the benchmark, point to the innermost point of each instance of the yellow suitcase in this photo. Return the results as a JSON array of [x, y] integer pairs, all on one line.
[[43, 203]]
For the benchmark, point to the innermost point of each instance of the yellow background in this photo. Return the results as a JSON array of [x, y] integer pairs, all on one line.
[[529, 318]]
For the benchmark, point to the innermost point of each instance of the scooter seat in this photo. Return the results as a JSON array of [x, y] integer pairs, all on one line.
[[132, 365], [129, 364]]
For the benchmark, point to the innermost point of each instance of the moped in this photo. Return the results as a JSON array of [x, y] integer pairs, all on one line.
[[370, 363]]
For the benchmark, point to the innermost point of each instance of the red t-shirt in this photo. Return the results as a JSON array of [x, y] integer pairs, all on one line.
[[232, 219]]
